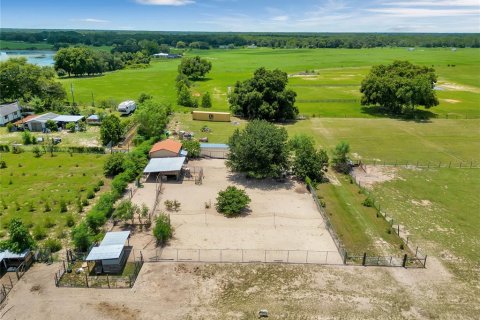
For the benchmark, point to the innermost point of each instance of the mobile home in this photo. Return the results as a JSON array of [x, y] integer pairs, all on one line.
[[127, 107]]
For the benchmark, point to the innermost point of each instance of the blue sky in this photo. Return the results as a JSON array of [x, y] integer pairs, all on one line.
[[246, 15]]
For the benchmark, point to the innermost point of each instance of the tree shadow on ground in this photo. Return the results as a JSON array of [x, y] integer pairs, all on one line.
[[268, 184], [421, 116], [205, 79]]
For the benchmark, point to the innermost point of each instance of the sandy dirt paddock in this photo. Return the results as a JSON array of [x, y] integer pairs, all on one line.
[[238, 291], [281, 216]]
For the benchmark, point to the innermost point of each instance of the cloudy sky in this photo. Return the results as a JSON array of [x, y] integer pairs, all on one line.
[[246, 15]]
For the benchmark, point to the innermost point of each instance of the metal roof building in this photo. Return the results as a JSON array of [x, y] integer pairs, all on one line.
[[68, 118], [214, 150], [165, 166], [110, 255]]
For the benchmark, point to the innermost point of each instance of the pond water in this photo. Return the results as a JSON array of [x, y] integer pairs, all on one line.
[[38, 57]]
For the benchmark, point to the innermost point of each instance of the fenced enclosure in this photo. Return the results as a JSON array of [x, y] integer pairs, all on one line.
[[419, 260], [69, 274], [241, 256], [192, 173]]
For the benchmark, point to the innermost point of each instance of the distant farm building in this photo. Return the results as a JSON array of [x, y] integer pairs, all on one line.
[[9, 112], [165, 166], [112, 254], [166, 149], [162, 55], [39, 123], [94, 119], [214, 150], [22, 123], [63, 120], [211, 116]]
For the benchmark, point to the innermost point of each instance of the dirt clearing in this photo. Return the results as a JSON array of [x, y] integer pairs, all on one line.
[[373, 174]]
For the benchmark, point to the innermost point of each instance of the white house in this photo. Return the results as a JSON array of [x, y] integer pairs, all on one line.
[[9, 112]]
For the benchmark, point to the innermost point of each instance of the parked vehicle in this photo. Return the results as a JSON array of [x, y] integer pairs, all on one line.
[[127, 107]]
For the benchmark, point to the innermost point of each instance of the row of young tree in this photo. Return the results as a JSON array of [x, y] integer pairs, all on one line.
[[80, 61], [128, 40], [190, 70]]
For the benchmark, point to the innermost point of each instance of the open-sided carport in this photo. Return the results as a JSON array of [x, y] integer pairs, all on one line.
[[165, 166]]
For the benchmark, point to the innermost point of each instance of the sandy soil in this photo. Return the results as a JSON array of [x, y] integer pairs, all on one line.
[[232, 291], [281, 216], [458, 87], [373, 175]]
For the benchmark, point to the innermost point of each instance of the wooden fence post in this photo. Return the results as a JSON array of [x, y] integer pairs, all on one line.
[[86, 280], [345, 257], [108, 281], [364, 260], [404, 263]]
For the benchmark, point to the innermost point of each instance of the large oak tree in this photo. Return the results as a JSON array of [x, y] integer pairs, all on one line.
[[399, 87], [264, 96]]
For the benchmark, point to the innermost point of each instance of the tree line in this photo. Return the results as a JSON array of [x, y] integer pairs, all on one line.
[[80, 61], [122, 41]]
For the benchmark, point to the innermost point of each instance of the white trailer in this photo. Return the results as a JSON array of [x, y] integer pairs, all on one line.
[[127, 107]]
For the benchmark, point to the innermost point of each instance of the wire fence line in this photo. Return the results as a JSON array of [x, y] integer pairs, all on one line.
[[419, 258], [168, 254], [473, 164]]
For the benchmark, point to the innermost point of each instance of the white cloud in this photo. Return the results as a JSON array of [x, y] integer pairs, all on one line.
[[417, 12], [92, 20], [440, 3], [165, 2], [279, 18]]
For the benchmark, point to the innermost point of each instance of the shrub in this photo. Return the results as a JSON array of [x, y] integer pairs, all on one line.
[[114, 164], [53, 245], [193, 148], [105, 204], [232, 201], [10, 127], [47, 207], [3, 164], [100, 183], [84, 202], [37, 153], [69, 220], [71, 127], [39, 232], [48, 223], [95, 220], [63, 205], [27, 137], [163, 229], [79, 205], [90, 194], [368, 202], [206, 100], [119, 183], [81, 237]]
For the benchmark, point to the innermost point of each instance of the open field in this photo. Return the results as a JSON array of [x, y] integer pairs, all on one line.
[[28, 184], [340, 72], [20, 45], [440, 209]]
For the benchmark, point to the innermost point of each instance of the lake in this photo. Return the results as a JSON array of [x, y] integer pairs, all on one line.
[[38, 57]]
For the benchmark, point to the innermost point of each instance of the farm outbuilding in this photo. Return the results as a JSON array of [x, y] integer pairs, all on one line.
[[165, 166], [214, 150], [63, 120], [166, 148], [112, 254], [12, 260], [94, 119], [211, 116], [38, 123]]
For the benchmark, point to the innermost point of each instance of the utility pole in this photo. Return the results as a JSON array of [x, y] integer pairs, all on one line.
[[71, 90]]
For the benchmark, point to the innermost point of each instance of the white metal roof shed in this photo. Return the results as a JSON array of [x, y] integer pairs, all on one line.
[[68, 118], [164, 164], [115, 238], [44, 117], [7, 254], [105, 252]]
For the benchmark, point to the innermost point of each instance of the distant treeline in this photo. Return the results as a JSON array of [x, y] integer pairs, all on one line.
[[206, 40]]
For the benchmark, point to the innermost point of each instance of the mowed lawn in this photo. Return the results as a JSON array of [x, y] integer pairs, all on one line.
[[333, 91], [28, 184], [441, 209]]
